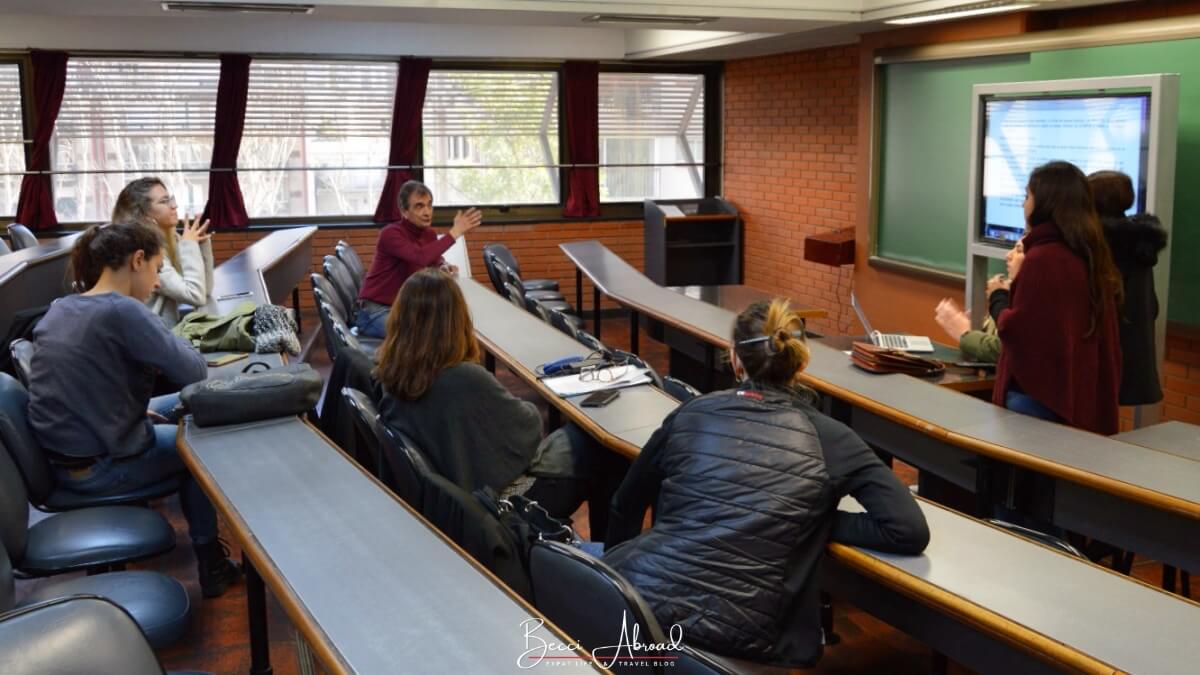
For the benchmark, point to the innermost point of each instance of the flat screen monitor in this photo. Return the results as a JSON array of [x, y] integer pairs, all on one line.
[[1094, 132]]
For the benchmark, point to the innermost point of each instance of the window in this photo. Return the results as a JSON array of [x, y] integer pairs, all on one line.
[[123, 119], [12, 147], [491, 137], [656, 121], [316, 138]]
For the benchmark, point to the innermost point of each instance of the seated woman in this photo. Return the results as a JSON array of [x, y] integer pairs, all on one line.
[[187, 269], [473, 430], [97, 356], [1135, 242], [1062, 354], [982, 345], [745, 485]]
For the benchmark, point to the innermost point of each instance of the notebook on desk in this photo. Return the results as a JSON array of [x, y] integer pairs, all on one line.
[[905, 343]]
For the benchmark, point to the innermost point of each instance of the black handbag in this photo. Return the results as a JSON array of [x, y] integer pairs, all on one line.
[[249, 396], [527, 521]]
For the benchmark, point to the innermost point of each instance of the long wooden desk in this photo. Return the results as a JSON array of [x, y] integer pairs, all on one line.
[[371, 586], [522, 342], [989, 599], [1175, 438], [268, 271], [34, 276], [1137, 499]]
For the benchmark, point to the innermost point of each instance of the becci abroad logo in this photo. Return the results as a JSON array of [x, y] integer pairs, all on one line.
[[629, 650]]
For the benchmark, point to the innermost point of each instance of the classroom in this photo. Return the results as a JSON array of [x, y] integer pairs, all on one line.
[[708, 337]]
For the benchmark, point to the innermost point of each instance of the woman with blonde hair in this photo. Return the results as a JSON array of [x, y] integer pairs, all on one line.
[[187, 270], [745, 485], [472, 429]]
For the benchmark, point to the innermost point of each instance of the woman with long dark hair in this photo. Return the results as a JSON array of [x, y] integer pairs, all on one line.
[[1062, 359], [745, 485], [474, 431], [98, 353]]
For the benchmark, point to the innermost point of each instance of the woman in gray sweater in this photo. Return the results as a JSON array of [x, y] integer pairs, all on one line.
[[470, 427]]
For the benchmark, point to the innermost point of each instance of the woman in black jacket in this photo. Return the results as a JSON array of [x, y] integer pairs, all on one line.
[[746, 484], [1135, 242]]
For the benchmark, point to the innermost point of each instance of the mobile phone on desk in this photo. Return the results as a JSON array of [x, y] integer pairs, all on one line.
[[600, 399], [218, 361]]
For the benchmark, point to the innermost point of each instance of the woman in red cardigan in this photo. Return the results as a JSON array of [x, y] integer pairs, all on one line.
[[1062, 355]]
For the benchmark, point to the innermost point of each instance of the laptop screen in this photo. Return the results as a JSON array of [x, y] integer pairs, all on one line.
[[862, 318]]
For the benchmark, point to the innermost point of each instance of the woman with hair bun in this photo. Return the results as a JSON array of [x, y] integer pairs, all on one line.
[[97, 356], [745, 485]]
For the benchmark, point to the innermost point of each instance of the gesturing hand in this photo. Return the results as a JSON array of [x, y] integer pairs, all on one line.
[[194, 230], [465, 221], [998, 282], [952, 319]]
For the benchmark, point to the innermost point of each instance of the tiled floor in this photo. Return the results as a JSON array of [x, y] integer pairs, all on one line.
[[218, 641]]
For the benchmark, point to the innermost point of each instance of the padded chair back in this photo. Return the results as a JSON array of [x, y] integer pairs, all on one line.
[[344, 337], [404, 467], [321, 284], [504, 256], [678, 389], [339, 275], [563, 575], [21, 237], [29, 457], [559, 321], [75, 634], [14, 513], [1039, 537], [495, 269], [462, 518], [346, 253], [539, 309], [5, 249], [21, 351], [514, 295], [366, 420], [590, 341]]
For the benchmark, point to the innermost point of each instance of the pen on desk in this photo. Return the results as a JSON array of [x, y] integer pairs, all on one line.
[[231, 296]]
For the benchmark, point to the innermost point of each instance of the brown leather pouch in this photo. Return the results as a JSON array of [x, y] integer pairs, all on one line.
[[882, 360]]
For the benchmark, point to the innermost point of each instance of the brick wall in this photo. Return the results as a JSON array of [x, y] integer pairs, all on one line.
[[794, 166], [791, 147], [534, 245]]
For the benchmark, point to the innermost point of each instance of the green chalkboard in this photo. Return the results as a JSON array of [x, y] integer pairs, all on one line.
[[926, 147]]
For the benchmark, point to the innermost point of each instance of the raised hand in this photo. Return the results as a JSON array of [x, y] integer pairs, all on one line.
[[193, 229], [465, 221], [952, 319]]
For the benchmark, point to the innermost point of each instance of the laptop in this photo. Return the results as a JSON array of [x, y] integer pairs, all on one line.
[[904, 343]]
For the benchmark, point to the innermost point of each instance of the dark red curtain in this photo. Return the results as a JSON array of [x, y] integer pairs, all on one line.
[[35, 208], [226, 208], [582, 80], [411, 78]]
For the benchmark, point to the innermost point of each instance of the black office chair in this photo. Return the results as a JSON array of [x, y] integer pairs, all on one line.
[[590, 341], [1042, 538], [550, 298], [346, 253], [366, 420], [567, 323], [465, 521], [562, 575], [34, 466], [330, 303], [21, 237], [21, 351], [346, 338], [539, 310], [678, 389], [92, 539], [331, 295], [514, 296], [499, 253], [339, 275], [404, 466], [75, 634]]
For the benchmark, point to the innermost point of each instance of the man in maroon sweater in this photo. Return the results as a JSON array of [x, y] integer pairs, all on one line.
[[403, 248]]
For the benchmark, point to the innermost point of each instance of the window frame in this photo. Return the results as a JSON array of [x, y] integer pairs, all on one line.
[[25, 89], [548, 213]]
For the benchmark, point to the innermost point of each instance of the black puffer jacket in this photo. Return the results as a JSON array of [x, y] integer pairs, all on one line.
[[1135, 242], [746, 483]]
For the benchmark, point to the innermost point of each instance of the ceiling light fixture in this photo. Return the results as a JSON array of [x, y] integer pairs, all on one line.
[[657, 19], [962, 11], [237, 7]]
